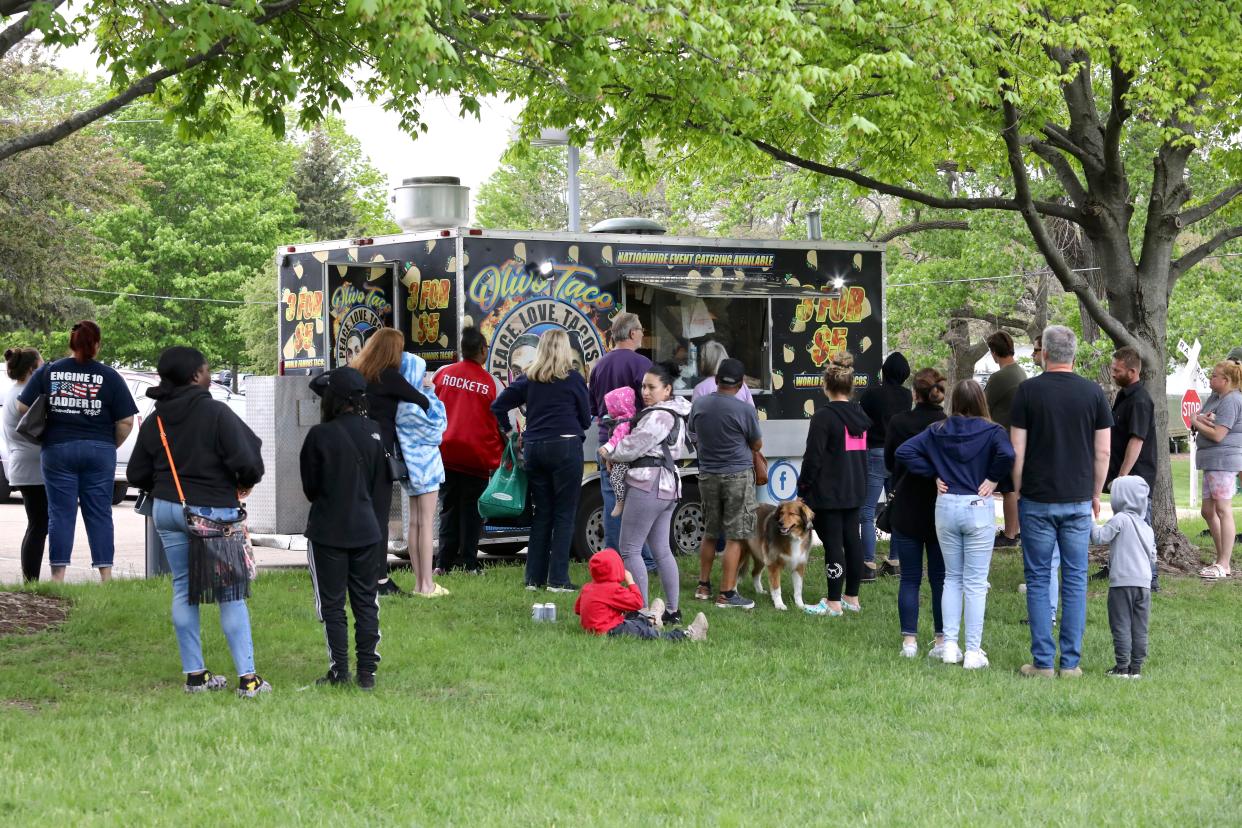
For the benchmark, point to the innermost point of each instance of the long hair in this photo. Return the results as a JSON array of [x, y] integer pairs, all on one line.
[[84, 340], [554, 359], [713, 354], [382, 351], [969, 400], [839, 374]]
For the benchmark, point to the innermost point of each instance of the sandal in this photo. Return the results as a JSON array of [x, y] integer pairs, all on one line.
[[1215, 572]]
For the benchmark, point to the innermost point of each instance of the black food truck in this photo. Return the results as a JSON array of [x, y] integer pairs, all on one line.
[[782, 307]]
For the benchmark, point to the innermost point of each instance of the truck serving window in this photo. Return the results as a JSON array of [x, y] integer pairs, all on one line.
[[682, 314]]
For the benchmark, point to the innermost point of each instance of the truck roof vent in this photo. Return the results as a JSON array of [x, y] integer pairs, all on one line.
[[430, 202], [631, 226]]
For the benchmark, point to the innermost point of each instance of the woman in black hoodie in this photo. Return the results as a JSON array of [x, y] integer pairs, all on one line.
[[881, 403], [833, 482], [912, 511], [218, 462]]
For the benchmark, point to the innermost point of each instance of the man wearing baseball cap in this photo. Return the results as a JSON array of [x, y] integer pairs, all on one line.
[[727, 430]]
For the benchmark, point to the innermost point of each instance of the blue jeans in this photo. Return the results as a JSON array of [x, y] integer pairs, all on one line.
[[1045, 527], [1054, 580], [877, 482], [612, 525], [234, 617], [79, 473], [909, 551], [966, 527], [554, 472]]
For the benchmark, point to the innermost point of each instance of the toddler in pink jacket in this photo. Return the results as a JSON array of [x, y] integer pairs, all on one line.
[[620, 405]]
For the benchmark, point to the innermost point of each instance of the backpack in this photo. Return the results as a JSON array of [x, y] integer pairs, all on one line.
[[679, 431]]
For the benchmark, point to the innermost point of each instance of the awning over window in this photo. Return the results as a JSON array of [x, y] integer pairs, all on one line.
[[752, 285]]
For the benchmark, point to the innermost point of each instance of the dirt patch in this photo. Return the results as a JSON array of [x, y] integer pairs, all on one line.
[[24, 613]]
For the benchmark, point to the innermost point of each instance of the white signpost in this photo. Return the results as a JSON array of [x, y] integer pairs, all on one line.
[[1191, 404]]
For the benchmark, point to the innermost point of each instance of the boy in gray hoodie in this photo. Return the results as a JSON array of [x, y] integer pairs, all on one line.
[[1132, 554]]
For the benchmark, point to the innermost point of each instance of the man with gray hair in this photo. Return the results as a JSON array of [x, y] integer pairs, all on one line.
[[621, 366], [1061, 429]]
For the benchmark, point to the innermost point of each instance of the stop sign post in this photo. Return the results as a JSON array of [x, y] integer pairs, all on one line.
[[1190, 407]]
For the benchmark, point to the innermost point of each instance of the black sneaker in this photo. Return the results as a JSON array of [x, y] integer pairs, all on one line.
[[251, 686], [1003, 541], [734, 599], [333, 678], [1136, 671], [204, 682], [1102, 575], [671, 619], [1119, 672], [389, 587], [563, 588], [868, 573], [366, 681]]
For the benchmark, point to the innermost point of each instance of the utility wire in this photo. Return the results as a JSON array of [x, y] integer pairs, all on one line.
[[175, 298]]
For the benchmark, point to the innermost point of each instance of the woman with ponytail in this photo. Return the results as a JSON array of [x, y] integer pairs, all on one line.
[[217, 464], [22, 465], [90, 412]]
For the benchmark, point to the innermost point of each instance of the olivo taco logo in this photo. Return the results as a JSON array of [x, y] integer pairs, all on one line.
[[356, 315], [516, 337]]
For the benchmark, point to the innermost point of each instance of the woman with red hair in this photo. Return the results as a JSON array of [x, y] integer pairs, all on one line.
[[90, 413]]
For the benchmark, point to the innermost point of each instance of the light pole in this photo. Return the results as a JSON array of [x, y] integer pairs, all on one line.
[[556, 138]]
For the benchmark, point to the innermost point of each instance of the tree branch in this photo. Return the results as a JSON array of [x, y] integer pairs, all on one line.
[[920, 227], [1065, 173], [1118, 114], [968, 312], [19, 30], [1052, 254], [1207, 208], [140, 88], [1048, 208], [1198, 254]]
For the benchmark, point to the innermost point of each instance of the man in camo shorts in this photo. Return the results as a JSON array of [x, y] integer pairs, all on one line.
[[727, 429]]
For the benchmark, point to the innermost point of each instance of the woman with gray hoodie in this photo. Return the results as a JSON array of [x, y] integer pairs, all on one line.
[[969, 455], [652, 448]]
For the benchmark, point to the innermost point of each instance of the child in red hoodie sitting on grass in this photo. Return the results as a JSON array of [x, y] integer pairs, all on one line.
[[604, 604]]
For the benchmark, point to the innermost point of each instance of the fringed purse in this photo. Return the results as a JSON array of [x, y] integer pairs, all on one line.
[[221, 559]]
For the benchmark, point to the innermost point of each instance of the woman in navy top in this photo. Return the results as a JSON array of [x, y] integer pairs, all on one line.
[[557, 416], [90, 413]]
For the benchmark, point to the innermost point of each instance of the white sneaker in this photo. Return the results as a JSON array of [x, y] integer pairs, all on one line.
[[975, 660], [909, 649], [936, 651], [952, 653]]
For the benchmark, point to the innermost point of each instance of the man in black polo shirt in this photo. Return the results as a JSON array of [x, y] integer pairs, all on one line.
[[1134, 441]]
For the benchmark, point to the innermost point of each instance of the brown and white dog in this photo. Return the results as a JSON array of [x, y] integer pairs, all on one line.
[[782, 541]]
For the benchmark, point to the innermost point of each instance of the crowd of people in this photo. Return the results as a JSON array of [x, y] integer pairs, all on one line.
[[1048, 445]]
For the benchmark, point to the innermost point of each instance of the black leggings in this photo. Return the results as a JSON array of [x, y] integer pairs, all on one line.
[[34, 499], [840, 530]]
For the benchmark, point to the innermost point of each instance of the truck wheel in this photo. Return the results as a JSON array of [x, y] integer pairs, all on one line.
[[686, 531], [5, 488], [589, 524], [119, 490]]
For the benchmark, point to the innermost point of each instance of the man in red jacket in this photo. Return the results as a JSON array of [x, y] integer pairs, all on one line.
[[604, 603], [471, 450]]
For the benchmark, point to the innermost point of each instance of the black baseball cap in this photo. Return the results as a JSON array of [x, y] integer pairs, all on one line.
[[730, 372], [347, 381]]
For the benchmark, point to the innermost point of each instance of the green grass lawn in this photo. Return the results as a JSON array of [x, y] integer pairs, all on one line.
[[484, 717]]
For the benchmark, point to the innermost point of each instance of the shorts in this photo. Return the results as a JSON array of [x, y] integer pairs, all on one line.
[[728, 504], [1220, 485]]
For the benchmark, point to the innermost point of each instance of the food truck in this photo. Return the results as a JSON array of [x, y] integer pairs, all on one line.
[[784, 308]]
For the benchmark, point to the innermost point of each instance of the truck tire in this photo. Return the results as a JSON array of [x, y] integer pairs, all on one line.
[[5, 489], [589, 523], [119, 490], [685, 535]]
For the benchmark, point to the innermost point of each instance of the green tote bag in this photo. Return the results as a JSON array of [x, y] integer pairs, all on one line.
[[505, 495]]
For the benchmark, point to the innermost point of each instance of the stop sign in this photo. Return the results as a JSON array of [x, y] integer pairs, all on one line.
[[1190, 405]]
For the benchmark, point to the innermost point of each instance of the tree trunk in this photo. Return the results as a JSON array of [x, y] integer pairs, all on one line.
[[963, 353]]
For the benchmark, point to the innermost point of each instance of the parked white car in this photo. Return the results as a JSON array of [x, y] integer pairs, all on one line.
[[138, 384]]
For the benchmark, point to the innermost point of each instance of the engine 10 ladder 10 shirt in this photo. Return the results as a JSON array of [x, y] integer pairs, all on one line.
[[1061, 412], [85, 400]]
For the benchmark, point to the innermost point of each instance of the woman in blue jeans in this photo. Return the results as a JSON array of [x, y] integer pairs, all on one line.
[[913, 516], [218, 462], [557, 416], [968, 455], [90, 413]]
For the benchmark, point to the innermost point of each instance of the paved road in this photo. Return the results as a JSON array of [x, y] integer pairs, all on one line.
[[130, 550]]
